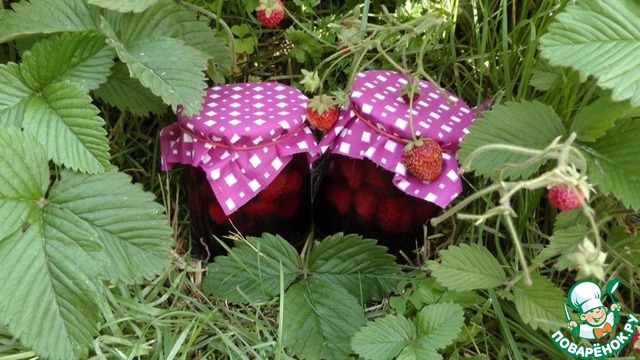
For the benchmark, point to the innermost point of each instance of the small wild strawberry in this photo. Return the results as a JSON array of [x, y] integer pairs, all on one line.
[[564, 198], [423, 158], [322, 112], [270, 12]]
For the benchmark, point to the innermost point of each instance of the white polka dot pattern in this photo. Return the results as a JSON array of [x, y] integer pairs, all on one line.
[[376, 95], [268, 118]]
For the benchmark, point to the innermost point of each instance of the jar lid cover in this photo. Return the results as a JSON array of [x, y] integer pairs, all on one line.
[[376, 126], [247, 114], [242, 138]]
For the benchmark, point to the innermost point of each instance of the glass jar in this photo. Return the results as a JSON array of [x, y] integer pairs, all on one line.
[[358, 196], [248, 156], [365, 188]]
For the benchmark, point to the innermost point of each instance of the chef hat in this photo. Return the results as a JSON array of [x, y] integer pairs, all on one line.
[[585, 296]]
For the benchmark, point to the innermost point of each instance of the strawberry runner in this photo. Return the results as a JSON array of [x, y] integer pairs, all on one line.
[[243, 138], [376, 126]]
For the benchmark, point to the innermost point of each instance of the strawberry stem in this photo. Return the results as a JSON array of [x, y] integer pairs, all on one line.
[[413, 83]]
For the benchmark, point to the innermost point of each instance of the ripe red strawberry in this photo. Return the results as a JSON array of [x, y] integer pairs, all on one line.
[[407, 95], [257, 208], [289, 206], [216, 213], [395, 214], [635, 341], [352, 171], [322, 112], [563, 197], [365, 201], [270, 12], [340, 197], [294, 183], [423, 158], [273, 191]]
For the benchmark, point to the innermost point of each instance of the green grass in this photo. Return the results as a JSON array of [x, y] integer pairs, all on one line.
[[489, 53]]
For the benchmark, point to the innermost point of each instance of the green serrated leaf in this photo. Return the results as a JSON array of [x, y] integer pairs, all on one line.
[[597, 118], [82, 58], [384, 338], [14, 95], [563, 242], [419, 350], [63, 119], [251, 271], [61, 292], [168, 67], [614, 165], [168, 19], [544, 76], [358, 265], [49, 251], [438, 325], [24, 177], [126, 93], [319, 319], [462, 298], [528, 124], [124, 6], [468, 267], [600, 39], [131, 227], [47, 17], [540, 305]]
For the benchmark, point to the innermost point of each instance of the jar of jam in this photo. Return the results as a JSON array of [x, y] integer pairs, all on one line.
[[365, 188], [248, 156]]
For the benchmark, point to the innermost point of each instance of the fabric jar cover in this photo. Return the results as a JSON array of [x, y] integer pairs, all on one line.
[[242, 138], [376, 101]]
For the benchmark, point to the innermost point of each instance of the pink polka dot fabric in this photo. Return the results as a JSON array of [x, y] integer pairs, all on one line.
[[376, 95], [242, 138]]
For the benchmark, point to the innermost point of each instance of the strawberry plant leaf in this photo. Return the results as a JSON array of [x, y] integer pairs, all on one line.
[[438, 325], [384, 338], [251, 271], [319, 319], [24, 176], [82, 58], [600, 39], [60, 248], [467, 267], [360, 266], [528, 124], [594, 120], [614, 165], [419, 350], [544, 76], [169, 19], [540, 305], [131, 227], [50, 251], [127, 93], [63, 119], [563, 242], [14, 95], [168, 67], [47, 17], [124, 6]]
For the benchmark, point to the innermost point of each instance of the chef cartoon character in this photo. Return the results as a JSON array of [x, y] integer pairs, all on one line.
[[597, 321]]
